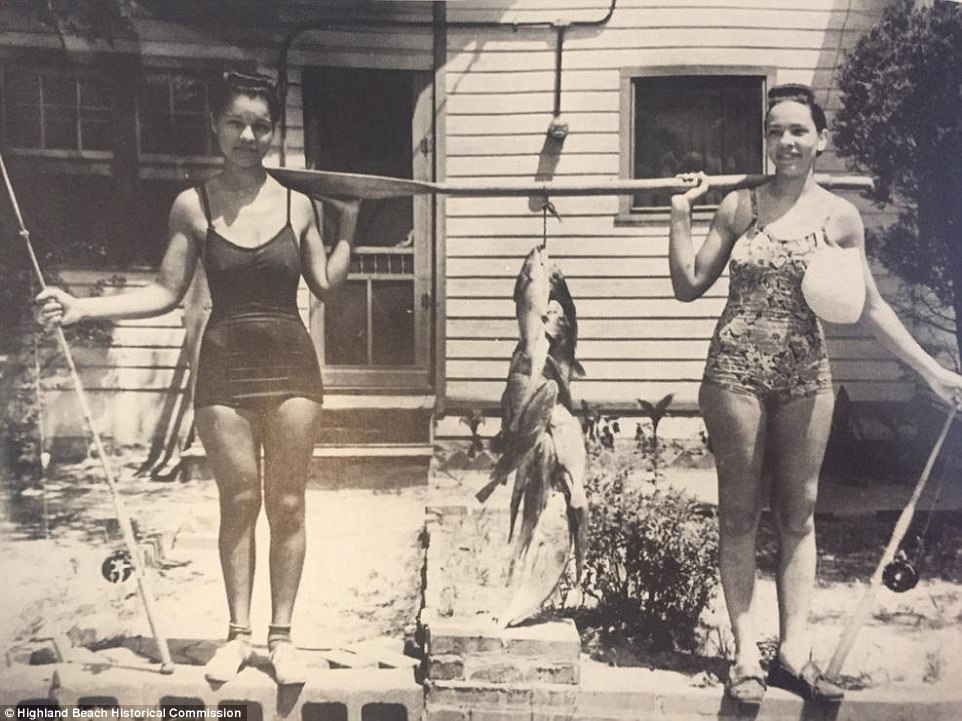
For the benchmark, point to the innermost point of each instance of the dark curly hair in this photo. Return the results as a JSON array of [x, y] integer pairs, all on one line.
[[254, 85], [800, 94]]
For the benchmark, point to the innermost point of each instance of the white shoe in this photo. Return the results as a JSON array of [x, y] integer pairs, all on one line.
[[288, 668], [228, 661]]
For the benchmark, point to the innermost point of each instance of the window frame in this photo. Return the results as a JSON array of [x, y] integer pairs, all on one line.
[[40, 70], [627, 215]]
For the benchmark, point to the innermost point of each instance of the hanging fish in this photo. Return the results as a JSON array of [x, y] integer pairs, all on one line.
[[541, 441]]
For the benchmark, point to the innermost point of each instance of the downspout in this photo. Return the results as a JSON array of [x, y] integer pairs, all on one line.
[[557, 125]]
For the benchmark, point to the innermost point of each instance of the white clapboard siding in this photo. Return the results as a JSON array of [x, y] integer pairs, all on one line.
[[635, 339]]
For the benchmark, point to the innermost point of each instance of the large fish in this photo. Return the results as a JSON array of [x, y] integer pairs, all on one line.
[[541, 441]]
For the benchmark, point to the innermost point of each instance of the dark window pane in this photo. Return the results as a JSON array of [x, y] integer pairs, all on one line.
[[23, 126], [190, 135], [60, 134], [21, 103], [94, 94], [154, 99], [156, 137], [21, 88], [385, 222], [59, 90], [188, 95], [96, 134], [690, 123], [345, 325], [392, 317]]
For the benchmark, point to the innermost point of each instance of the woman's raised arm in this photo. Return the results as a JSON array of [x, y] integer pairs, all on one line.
[[323, 273], [694, 273]]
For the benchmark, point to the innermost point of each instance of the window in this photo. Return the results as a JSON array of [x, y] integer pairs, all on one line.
[[55, 110], [682, 123], [172, 115]]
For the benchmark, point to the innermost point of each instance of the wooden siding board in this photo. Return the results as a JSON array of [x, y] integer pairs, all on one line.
[[508, 167], [609, 328], [487, 145], [640, 308], [581, 287], [720, 50], [597, 267]]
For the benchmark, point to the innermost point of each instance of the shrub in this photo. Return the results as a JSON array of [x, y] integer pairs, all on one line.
[[651, 561]]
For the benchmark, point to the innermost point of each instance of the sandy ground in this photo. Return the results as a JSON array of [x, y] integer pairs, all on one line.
[[361, 579], [912, 638], [363, 573]]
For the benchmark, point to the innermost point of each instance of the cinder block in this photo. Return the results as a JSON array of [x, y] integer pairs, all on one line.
[[438, 713], [329, 695], [23, 683]]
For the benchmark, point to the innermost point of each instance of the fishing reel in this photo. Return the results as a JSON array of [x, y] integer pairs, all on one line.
[[900, 575], [117, 567]]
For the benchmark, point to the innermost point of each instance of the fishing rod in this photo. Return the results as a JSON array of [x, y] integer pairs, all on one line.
[[857, 619], [123, 519], [323, 182]]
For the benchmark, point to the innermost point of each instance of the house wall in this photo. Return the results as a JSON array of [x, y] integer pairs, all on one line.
[[496, 103], [636, 341]]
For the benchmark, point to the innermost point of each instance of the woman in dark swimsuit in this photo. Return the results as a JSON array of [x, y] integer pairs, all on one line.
[[258, 382], [766, 397]]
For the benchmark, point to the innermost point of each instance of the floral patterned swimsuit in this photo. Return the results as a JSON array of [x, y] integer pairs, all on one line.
[[768, 341]]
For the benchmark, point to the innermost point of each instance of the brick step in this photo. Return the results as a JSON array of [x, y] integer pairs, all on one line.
[[638, 694]]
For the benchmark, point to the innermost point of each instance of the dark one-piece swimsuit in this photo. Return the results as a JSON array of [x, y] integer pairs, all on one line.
[[255, 352]]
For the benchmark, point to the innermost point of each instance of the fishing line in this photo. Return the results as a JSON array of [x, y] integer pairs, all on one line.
[[547, 207]]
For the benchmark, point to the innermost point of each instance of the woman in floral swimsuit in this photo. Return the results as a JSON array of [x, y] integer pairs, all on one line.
[[766, 397]]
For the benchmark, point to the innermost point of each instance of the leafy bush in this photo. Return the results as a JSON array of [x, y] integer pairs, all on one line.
[[651, 562]]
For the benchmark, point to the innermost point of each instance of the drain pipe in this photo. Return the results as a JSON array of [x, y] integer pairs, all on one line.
[[558, 128]]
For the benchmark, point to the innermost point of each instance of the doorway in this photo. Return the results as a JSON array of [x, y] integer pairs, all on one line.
[[375, 333]]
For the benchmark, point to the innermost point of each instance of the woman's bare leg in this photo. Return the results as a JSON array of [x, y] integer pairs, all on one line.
[[288, 445], [799, 432], [230, 441], [736, 426]]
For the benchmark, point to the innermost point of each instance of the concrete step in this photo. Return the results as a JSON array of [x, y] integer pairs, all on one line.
[[378, 466], [343, 694]]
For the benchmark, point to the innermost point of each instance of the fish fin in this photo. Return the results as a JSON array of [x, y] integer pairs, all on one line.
[[488, 488], [531, 423]]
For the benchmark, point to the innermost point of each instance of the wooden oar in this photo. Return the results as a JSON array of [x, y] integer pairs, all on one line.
[[318, 183], [556, 188]]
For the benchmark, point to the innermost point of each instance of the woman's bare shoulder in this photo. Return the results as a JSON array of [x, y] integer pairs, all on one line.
[[735, 211], [843, 220], [187, 212], [302, 210]]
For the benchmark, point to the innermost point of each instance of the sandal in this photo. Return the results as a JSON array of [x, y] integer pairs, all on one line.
[[288, 667], [809, 683], [746, 688], [227, 661]]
